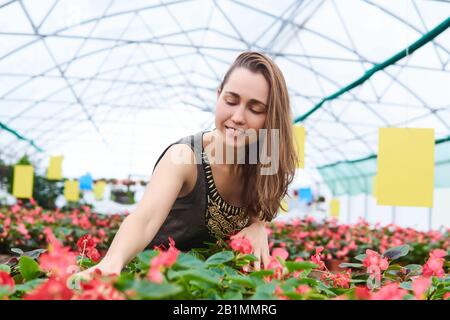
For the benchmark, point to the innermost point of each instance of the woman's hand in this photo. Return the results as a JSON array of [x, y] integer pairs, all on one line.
[[257, 235], [104, 267]]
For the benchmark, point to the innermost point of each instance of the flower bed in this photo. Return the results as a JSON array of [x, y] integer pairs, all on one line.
[[22, 226], [382, 263]]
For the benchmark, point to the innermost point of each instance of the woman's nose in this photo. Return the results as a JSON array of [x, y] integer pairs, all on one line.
[[239, 114]]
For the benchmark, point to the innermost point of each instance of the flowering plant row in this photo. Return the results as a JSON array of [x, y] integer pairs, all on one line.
[[342, 242], [225, 274], [22, 226], [298, 268]]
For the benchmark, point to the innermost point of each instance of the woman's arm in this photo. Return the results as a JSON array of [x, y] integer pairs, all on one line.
[[139, 228]]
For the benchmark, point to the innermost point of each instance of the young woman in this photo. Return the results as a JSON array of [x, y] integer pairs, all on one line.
[[196, 200]]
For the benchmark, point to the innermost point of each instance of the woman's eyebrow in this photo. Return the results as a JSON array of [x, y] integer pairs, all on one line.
[[235, 95]]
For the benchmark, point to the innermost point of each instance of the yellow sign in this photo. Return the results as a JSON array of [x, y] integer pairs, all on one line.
[[284, 205], [299, 145], [375, 185], [99, 189], [72, 190], [335, 207], [54, 171], [405, 167], [23, 181]]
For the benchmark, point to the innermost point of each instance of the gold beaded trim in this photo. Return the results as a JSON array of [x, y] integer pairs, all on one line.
[[222, 218]]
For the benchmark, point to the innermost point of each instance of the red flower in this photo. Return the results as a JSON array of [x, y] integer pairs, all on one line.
[[362, 293], [86, 246], [302, 289], [58, 260], [164, 259], [241, 245], [85, 242], [6, 280], [52, 289], [96, 289]]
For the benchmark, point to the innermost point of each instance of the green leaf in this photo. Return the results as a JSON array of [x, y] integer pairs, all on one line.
[[396, 252], [300, 265], [350, 265], [262, 273], [394, 267], [148, 290], [5, 291], [264, 292], [34, 254], [145, 257], [232, 295], [243, 280], [220, 258], [324, 288], [6, 268], [413, 269], [29, 285], [293, 295], [249, 257], [188, 261], [17, 250], [406, 285], [29, 269], [360, 257], [198, 274]]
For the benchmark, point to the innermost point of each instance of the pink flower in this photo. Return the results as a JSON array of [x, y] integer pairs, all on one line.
[[420, 286], [438, 253], [155, 275], [241, 245], [391, 291], [302, 289], [280, 252], [15, 208], [375, 263], [435, 264], [277, 268], [317, 259], [342, 280], [23, 230]]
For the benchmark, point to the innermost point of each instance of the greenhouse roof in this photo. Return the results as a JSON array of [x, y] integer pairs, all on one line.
[[110, 83]]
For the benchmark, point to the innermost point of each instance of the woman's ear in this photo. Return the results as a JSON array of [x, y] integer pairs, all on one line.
[[218, 92]]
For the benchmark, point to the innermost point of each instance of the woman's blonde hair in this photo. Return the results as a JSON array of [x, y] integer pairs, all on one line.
[[264, 193]]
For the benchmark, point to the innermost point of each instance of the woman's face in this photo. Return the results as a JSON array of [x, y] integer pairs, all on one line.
[[242, 107]]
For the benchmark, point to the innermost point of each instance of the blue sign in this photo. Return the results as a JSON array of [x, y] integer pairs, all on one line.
[[86, 182], [305, 195]]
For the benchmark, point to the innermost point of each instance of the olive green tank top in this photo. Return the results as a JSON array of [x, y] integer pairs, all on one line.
[[202, 215]]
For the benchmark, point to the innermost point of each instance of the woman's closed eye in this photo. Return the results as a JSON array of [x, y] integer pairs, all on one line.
[[231, 103]]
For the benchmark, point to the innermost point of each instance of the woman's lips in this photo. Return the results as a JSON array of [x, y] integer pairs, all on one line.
[[233, 132]]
